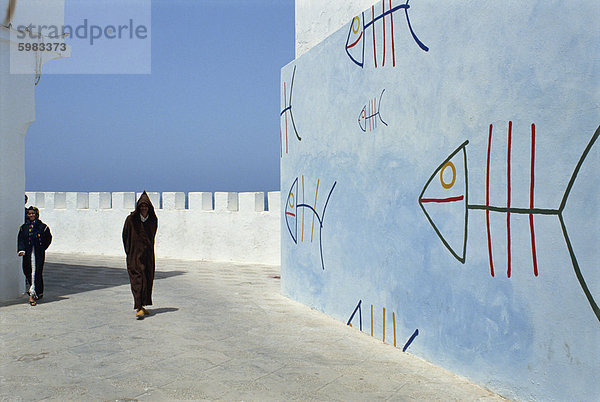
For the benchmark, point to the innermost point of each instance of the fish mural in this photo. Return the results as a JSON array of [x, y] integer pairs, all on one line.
[[446, 192], [369, 115], [291, 214], [358, 309], [287, 109], [355, 43]]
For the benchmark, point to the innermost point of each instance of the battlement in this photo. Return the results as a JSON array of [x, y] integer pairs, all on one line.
[[220, 226], [197, 201]]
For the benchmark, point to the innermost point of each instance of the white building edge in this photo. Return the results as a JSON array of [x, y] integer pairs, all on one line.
[[19, 72]]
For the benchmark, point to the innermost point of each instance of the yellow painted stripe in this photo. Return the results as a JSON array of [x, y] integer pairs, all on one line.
[[315, 207], [383, 325], [394, 320]]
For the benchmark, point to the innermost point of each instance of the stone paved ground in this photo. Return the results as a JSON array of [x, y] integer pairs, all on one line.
[[218, 331]]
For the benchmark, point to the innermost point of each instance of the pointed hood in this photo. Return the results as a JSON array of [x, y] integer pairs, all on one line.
[[144, 199]]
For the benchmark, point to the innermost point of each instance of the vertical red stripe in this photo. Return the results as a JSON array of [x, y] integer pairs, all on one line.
[[370, 124], [367, 118], [374, 49], [532, 166], [383, 5], [369, 115], [535, 270], [392, 28], [370, 118], [487, 203], [508, 267], [285, 117], [531, 188]]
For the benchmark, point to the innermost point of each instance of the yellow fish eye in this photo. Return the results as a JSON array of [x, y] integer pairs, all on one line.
[[444, 184], [357, 20]]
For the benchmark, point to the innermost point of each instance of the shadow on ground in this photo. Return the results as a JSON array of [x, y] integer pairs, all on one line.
[[161, 310], [61, 280]]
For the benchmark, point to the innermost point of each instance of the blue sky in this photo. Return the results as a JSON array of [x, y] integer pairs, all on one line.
[[205, 119]]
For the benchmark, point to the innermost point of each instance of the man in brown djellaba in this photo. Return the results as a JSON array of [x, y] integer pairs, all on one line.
[[139, 232]]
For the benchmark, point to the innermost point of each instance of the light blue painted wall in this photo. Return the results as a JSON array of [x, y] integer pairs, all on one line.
[[488, 63]]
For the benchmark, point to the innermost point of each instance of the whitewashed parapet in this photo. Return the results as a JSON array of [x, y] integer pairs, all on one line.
[[199, 201], [48, 199], [234, 227], [55, 200], [74, 200], [251, 202], [123, 200], [173, 200], [83, 201], [71, 200], [60, 200], [38, 199], [226, 201], [202, 201], [100, 200], [274, 201]]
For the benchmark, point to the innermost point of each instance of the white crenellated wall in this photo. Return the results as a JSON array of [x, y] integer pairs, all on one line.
[[236, 227]]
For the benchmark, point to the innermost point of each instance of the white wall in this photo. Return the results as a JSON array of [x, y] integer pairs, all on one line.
[[317, 19], [237, 229], [16, 112], [368, 203], [18, 74]]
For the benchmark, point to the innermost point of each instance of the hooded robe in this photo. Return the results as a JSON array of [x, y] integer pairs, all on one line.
[[138, 241]]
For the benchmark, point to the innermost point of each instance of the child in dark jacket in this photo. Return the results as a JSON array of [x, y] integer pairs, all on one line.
[[33, 240]]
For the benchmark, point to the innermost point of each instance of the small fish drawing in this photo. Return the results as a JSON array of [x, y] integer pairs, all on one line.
[[370, 113], [355, 43], [450, 190]]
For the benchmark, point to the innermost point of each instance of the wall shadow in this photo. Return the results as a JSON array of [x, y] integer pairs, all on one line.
[[62, 280]]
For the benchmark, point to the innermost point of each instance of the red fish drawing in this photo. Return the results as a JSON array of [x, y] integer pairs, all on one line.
[[451, 191]]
